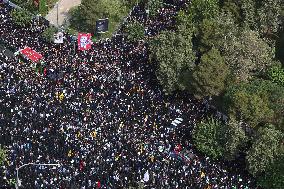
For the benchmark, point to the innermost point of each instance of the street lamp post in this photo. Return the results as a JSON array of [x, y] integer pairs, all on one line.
[[57, 7], [18, 182]]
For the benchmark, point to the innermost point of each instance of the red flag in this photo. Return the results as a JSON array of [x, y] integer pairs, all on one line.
[[45, 72], [84, 41], [99, 184], [177, 148], [81, 165]]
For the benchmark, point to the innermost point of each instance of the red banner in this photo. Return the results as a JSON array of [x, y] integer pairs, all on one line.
[[31, 54], [84, 41]]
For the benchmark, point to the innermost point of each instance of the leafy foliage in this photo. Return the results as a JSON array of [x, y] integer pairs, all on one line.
[[84, 17], [208, 136], [21, 17], [202, 9], [3, 155], [270, 93], [265, 150], [43, 7], [212, 65], [276, 74], [174, 54], [26, 4], [236, 139], [273, 177], [268, 15], [48, 33], [242, 104], [135, 31], [130, 3], [153, 6], [247, 55], [216, 32]]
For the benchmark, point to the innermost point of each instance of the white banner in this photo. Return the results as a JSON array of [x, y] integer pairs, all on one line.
[[58, 38]]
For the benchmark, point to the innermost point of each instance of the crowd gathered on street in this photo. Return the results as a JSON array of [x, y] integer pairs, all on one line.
[[101, 115]]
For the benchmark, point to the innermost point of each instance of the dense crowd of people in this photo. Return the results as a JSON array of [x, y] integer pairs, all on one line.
[[101, 115]]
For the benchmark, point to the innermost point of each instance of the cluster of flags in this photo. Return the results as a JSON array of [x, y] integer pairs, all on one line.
[[84, 40]]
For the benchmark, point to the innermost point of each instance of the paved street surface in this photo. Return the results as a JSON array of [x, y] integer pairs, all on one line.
[[64, 7]]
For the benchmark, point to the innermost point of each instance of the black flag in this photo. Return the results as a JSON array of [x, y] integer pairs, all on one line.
[[102, 25]]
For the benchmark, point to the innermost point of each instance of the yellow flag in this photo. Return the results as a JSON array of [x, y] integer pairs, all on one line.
[[94, 134], [78, 135], [155, 126], [202, 175], [116, 158], [61, 96], [152, 158], [69, 153]]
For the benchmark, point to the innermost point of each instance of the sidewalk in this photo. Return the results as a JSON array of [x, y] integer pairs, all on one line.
[[63, 8]]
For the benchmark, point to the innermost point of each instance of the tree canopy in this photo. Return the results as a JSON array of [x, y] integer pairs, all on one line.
[[266, 148], [207, 136], [174, 54], [21, 17], [212, 65]]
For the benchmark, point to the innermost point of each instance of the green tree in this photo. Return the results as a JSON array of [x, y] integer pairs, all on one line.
[[269, 15], [247, 55], [203, 9], [135, 31], [26, 4], [43, 7], [3, 155], [77, 19], [208, 136], [233, 8], [265, 149], [174, 54], [130, 3], [21, 17], [274, 95], [235, 140], [153, 6], [248, 13], [49, 32], [273, 176], [212, 65], [244, 105], [215, 32]]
